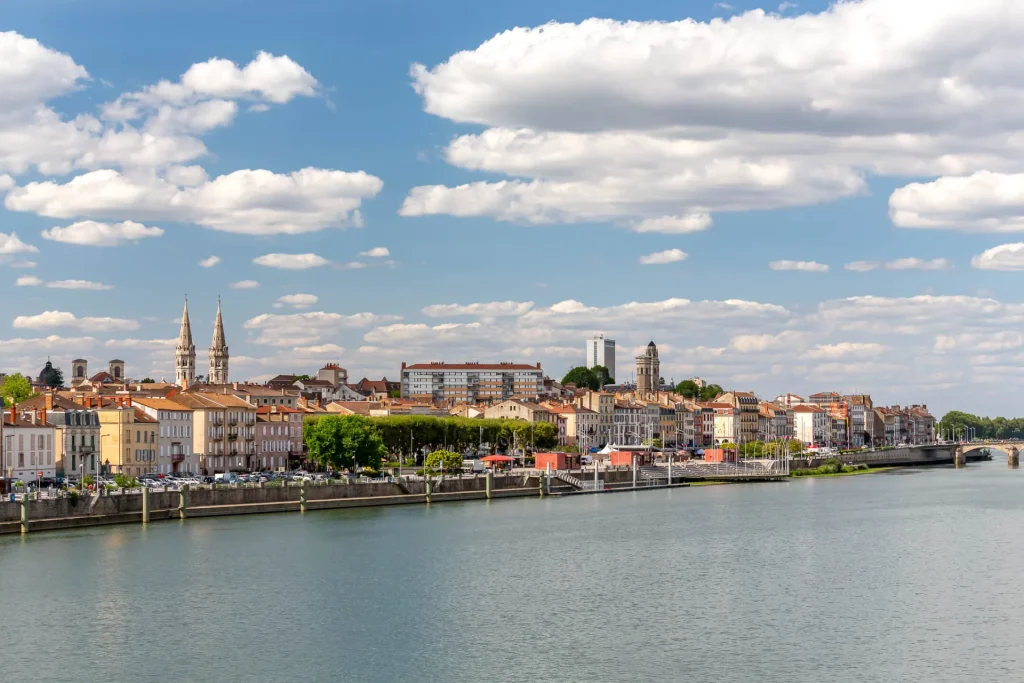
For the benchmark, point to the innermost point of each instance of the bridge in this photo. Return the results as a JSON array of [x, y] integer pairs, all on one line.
[[1011, 448]]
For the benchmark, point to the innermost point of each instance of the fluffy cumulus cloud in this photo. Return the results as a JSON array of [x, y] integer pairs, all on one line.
[[642, 122], [10, 244], [376, 252], [493, 309], [664, 257], [311, 328], [291, 261], [803, 266], [209, 262], [94, 234], [908, 263], [137, 150], [63, 319], [1003, 257], [244, 284]]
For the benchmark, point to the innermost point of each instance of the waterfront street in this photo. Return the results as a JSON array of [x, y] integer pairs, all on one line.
[[901, 576]]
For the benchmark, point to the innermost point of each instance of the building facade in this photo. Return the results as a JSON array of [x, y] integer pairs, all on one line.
[[28, 446], [128, 439], [224, 431], [278, 437], [175, 451], [601, 351], [471, 382], [77, 433]]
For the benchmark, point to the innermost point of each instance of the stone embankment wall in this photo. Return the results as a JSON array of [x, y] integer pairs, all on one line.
[[927, 455]]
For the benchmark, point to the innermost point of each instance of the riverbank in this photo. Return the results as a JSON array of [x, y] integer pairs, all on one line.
[[802, 474]]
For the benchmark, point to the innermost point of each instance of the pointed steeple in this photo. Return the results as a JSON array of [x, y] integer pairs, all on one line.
[[185, 336], [185, 353], [218, 352]]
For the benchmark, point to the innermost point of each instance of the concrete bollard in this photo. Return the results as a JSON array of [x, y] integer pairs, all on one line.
[[24, 512], [489, 484], [1013, 457], [183, 502], [541, 478], [427, 490], [303, 491], [145, 505]]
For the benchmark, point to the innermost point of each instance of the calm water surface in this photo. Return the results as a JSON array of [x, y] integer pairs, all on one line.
[[913, 576]]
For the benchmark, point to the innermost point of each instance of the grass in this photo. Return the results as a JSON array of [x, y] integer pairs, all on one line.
[[850, 473]]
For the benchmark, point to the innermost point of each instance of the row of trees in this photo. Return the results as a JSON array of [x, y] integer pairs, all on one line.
[[984, 427], [590, 378], [345, 441]]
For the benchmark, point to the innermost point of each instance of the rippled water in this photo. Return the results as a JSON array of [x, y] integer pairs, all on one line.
[[911, 576]]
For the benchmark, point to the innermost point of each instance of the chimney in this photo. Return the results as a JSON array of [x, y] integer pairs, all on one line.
[[42, 416], [48, 401], [14, 414], [234, 385], [128, 400]]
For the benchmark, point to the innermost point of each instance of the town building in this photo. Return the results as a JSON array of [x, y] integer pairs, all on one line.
[[648, 371], [603, 403], [727, 421], [452, 383], [581, 425], [861, 422], [77, 432], [749, 408], [224, 430], [811, 424], [28, 446], [175, 451], [601, 351], [279, 438], [128, 438], [514, 409]]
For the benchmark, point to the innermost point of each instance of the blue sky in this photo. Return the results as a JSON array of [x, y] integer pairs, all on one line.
[[708, 149]]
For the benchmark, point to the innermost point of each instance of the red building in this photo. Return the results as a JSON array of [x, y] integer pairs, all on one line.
[[558, 461]]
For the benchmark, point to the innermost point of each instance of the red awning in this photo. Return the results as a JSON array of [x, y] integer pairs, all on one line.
[[497, 458]]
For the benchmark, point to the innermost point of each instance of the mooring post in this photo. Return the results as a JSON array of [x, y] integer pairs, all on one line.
[[1013, 457], [24, 512], [634, 470], [427, 490], [183, 502], [489, 483], [145, 505], [547, 480], [540, 484], [303, 490]]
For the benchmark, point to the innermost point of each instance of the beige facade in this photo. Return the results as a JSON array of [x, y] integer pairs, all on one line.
[[175, 451], [749, 411], [128, 439], [519, 410], [581, 425], [224, 431], [603, 403]]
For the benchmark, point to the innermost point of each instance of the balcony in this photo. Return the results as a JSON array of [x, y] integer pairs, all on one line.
[[177, 457]]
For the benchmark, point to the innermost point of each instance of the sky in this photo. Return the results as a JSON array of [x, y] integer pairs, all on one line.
[[785, 198]]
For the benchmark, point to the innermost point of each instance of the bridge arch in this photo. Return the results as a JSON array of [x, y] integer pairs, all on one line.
[[1011, 448]]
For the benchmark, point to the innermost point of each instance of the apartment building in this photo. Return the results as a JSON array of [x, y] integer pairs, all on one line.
[[77, 436], [581, 425], [603, 403], [861, 422], [175, 450], [128, 438], [278, 437], [727, 422], [627, 424], [749, 409], [471, 382], [601, 351], [514, 409], [28, 446], [224, 431], [811, 424]]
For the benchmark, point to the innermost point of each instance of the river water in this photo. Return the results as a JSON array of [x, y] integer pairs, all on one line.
[[910, 576]]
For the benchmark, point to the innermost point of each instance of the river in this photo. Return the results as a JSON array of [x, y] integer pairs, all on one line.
[[910, 576]]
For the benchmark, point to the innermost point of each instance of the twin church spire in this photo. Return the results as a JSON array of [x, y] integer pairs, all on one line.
[[185, 353]]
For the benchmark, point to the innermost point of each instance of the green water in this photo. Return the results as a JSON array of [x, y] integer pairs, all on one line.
[[909, 576]]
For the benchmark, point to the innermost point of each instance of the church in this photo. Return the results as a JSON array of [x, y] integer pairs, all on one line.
[[185, 353]]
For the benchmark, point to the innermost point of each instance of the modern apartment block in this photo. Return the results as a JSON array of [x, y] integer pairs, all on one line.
[[471, 382], [601, 351]]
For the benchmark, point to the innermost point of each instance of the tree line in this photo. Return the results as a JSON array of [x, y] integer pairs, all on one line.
[[984, 427], [346, 441]]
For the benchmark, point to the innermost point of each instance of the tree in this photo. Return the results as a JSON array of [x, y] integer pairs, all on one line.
[[148, 380], [709, 392], [688, 389], [582, 377], [55, 378], [449, 461], [16, 388], [344, 441], [653, 443], [796, 446], [395, 393], [602, 375], [302, 378]]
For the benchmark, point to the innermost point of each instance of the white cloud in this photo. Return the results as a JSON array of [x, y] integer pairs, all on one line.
[[291, 261], [298, 300], [376, 252], [142, 344], [244, 284], [24, 264], [94, 234], [909, 263], [1003, 257], [803, 266], [760, 343], [254, 202], [783, 6], [675, 225], [49, 319], [626, 121], [988, 342], [847, 350], [863, 266], [981, 202], [210, 262], [50, 343], [303, 329], [663, 257], [10, 244], [320, 349], [493, 309], [32, 281], [919, 264]]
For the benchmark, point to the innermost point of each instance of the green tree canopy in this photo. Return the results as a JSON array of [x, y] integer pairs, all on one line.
[[15, 389], [688, 389], [602, 375], [449, 461], [582, 377], [148, 380], [344, 441], [709, 392]]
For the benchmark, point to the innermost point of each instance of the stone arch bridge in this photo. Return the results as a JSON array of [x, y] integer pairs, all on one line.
[[1011, 448]]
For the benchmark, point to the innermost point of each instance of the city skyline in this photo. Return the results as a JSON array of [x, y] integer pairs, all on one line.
[[342, 189]]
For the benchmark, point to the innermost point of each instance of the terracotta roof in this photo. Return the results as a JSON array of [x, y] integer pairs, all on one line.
[[20, 421], [141, 416], [158, 403], [807, 409], [267, 410]]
